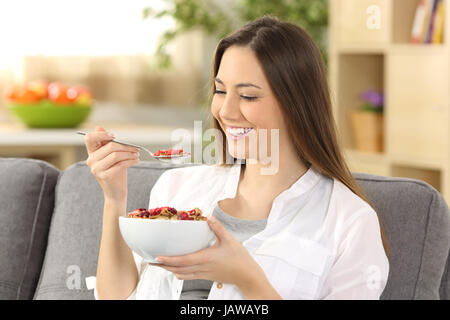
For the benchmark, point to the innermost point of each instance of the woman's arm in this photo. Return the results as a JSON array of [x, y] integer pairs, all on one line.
[[361, 268], [117, 274], [108, 161]]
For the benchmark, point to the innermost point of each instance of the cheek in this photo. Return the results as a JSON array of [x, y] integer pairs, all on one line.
[[215, 107], [261, 115]]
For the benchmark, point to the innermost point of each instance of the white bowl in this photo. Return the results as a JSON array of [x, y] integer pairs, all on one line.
[[150, 238]]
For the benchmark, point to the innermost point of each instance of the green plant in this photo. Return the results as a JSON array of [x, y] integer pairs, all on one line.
[[215, 18]]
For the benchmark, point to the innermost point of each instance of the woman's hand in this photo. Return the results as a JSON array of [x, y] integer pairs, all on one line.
[[227, 261], [109, 162]]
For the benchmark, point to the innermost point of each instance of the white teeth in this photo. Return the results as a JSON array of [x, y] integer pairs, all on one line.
[[238, 131]]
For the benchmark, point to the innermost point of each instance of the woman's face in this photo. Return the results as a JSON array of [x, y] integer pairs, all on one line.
[[244, 104]]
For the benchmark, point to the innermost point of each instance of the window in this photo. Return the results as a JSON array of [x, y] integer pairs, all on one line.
[[77, 27]]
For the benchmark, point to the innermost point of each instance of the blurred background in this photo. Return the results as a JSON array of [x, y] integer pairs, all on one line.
[[141, 69]]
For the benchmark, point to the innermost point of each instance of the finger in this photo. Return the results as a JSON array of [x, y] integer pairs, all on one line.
[[198, 269], [199, 257], [95, 140], [120, 166], [111, 159], [99, 128], [190, 276], [218, 229], [104, 151]]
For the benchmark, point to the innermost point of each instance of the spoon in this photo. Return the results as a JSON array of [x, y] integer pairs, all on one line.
[[176, 158]]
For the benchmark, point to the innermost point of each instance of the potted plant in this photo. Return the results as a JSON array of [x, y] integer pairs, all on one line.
[[367, 122], [217, 18]]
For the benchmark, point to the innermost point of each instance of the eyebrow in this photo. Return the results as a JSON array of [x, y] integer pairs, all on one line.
[[240, 85]]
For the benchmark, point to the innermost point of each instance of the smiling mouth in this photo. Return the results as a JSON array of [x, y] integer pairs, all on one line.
[[238, 132]]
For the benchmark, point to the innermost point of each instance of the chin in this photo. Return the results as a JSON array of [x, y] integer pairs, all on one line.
[[236, 151], [237, 155]]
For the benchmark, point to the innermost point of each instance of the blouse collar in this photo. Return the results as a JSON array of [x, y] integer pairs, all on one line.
[[305, 183]]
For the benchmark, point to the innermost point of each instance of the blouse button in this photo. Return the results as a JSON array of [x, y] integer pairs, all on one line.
[[219, 285]]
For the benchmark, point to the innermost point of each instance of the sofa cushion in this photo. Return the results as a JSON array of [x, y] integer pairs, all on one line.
[[416, 221], [414, 215], [445, 283], [26, 205], [74, 238]]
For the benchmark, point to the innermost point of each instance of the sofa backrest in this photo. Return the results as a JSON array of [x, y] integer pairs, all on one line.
[[414, 215], [26, 206], [416, 221], [75, 233]]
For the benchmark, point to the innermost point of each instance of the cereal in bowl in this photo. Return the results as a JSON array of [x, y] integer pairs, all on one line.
[[167, 213]]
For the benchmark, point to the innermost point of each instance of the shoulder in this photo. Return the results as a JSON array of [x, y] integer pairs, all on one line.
[[357, 224], [350, 210], [346, 202]]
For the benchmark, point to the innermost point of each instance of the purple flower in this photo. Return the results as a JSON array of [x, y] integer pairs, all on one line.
[[376, 99]]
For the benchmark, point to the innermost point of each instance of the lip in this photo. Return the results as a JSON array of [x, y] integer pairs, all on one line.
[[227, 126]]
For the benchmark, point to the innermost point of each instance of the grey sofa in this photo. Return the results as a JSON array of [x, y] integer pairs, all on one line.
[[50, 228]]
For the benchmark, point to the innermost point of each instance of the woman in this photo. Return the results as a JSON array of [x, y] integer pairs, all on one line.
[[302, 231]]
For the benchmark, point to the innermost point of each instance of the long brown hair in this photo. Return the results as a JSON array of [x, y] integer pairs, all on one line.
[[295, 70]]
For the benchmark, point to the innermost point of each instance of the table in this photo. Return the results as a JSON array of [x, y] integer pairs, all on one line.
[[63, 147]]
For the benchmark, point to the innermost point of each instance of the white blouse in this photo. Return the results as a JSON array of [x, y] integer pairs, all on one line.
[[321, 240]]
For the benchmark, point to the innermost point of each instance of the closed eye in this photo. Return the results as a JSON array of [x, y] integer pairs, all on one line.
[[248, 98], [219, 92]]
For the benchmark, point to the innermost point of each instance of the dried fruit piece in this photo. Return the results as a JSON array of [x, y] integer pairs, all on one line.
[[168, 152], [137, 212], [167, 213], [172, 210]]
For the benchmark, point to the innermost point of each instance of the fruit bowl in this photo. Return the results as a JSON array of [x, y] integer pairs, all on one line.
[[43, 104], [150, 238], [47, 114]]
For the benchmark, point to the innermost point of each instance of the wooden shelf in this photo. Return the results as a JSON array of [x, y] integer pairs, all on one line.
[[422, 162], [415, 79], [355, 48], [367, 156], [419, 48], [358, 72], [430, 176], [372, 163]]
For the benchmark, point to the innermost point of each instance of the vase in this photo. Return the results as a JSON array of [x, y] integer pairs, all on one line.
[[367, 130]]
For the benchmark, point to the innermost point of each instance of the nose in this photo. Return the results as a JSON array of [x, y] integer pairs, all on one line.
[[230, 111]]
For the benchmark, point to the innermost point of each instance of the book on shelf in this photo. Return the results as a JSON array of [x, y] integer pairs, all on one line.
[[429, 32], [418, 22], [428, 24], [439, 23]]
